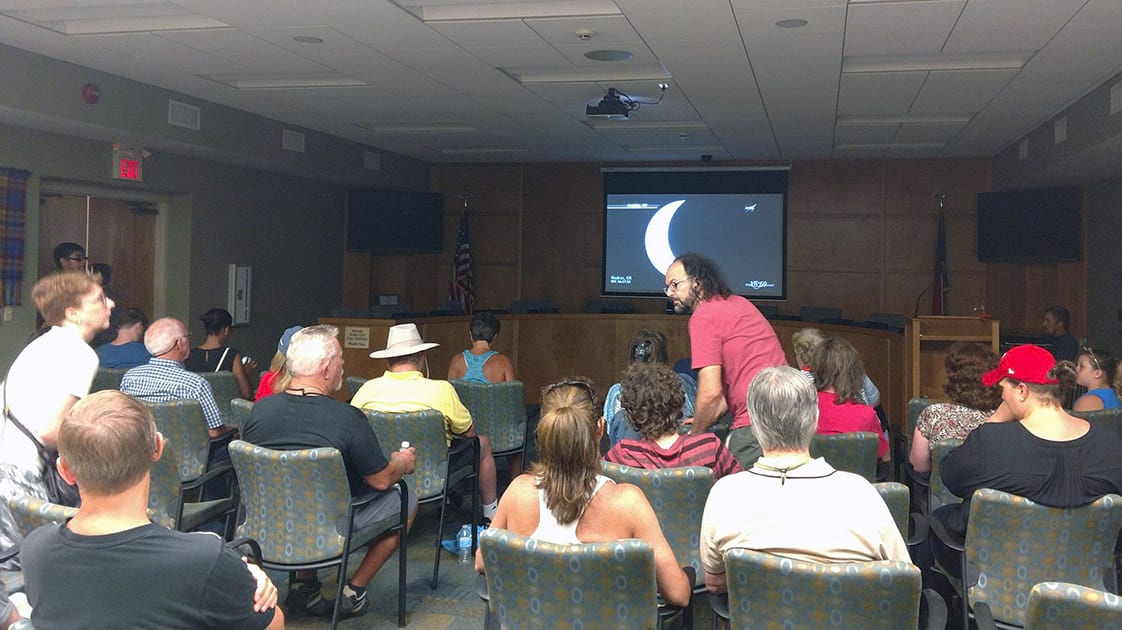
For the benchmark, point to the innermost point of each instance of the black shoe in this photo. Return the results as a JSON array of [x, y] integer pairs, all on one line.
[[305, 598], [354, 604]]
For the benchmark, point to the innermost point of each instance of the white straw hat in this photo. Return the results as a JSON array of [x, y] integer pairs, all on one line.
[[403, 340]]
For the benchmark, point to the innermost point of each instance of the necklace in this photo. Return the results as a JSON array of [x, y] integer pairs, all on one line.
[[304, 392], [782, 471]]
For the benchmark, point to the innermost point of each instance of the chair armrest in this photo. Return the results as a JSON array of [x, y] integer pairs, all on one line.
[[481, 588], [944, 535], [254, 548], [920, 527], [983, 616], [221, 470], [922, 479], [720, 605], [933, 610], [9, 553]]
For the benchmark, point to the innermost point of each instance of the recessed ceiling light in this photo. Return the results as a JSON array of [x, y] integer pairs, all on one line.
[[308, 39], [791, 23], [608, 55]]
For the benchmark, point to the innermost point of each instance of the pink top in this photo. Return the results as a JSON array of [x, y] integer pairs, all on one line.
[[849, 418], [265, 387], [731, 332]]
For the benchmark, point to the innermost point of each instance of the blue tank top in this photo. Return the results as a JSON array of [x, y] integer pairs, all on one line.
[[474, 365], [1108, 396]]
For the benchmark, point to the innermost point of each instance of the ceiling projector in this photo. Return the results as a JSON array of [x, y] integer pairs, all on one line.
[[611, 106]]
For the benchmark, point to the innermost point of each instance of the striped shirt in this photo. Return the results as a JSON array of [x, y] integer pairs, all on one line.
[[689, 450], [163, 380]]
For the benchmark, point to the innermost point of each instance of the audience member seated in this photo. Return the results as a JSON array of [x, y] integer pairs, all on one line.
[[1057, 326], [479, 363], [127, 349], [971, 402], [48, 376], [646, 346], [305, 415], [69, 257], [1097, 370], [804, 342], [653, 402], [109, 566], [564, 499], [788, 503], [213, 355], [1044, 455], [404, 388], [164, 378], [838, 374], [276, 378]]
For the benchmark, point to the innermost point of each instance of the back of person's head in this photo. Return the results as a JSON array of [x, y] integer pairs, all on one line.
[[108, 440], [1061, 314], [965, 363], [102, 271], [837, 365], [804, 342], [66, 250], [216, 320], [652, 396], [647, 346], [56, 292], [1053, 395], [162, 335], [310, 348], [484, 326], [415, 360], [783, 406], [568, 447], [706, 275], [125, 317]]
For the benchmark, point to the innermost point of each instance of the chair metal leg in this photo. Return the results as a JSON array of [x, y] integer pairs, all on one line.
[[401, 576], [439, 536]]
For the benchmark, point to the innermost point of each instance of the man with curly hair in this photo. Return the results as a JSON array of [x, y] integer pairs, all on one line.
[[652, 396], [731, 342]]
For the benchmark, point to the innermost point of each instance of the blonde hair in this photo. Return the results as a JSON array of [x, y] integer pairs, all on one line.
[[804, 342], [58, 291], [108, 439], [568, 448]]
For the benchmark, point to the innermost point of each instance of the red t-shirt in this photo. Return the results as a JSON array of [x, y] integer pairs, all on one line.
[[733, 334], [849, 418], [265, 387]]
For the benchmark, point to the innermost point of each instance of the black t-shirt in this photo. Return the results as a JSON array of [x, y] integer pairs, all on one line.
[[288, 422], [201, 360], [1065, 347], [1008, 457], [145, 577]]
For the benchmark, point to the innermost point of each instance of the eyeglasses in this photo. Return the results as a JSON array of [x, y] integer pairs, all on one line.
[[1091, 355], [572, 382], [672, 288], [78, 258]]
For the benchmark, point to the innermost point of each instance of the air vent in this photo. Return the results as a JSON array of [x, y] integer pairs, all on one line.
[[292, 140], [183, 115], [371, 160]]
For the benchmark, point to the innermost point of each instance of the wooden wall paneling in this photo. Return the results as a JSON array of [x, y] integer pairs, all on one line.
[[356, 360], [840, 243], [126, 241], [452, 335], [835, 186], [552, 347], [62, 218], [855, 293], [357, 280]]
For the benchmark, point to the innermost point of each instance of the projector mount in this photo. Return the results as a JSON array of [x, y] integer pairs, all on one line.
[[618, 105]]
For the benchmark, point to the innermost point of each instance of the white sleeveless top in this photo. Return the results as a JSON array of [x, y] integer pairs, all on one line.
[[550, 530]]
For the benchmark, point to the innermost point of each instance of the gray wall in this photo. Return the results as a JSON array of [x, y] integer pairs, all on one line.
[[1103, 202]]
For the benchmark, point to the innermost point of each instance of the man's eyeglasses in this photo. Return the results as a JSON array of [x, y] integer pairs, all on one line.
[[1091, 355], [672, 288], [572, 382], [78, 258]]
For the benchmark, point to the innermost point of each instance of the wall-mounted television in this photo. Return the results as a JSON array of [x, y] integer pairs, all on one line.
[[738, 218], [1030, 225], [394, 220]]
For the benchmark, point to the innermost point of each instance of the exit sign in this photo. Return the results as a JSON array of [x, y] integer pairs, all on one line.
[[129, 169], [128, 163]]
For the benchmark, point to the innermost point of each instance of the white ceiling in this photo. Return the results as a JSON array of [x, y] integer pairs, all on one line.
[[904, 78]]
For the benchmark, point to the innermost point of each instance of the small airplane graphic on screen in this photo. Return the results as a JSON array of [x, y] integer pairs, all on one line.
[[751, 208]]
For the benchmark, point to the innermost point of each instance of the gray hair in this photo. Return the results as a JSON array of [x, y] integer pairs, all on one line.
[[310, 349], [783, 405], [162, 335]]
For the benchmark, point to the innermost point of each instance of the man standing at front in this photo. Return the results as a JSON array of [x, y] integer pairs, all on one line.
[[305, 415], [730, 342]]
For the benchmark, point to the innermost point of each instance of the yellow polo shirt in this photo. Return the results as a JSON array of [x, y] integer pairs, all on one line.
[[398, 392]]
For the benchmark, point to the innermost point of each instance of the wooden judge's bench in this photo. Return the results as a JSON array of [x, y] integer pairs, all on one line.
[[548, 347]]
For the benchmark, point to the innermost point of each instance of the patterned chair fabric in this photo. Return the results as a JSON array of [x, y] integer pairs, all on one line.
[[535, 584], [767, 591], [355, 382], [225, 388], [939, 495], [498, 411], [916, 407], [424, 430], [897, 497], [1061, 606], [240, 409], [678, 497], [293, 501], [167, 504], [30, 513], [852, 452], [1107, 417], [1015, 544], [183, 424], [107, 378]]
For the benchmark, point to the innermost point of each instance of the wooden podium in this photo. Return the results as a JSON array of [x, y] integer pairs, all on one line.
[[927, 340]]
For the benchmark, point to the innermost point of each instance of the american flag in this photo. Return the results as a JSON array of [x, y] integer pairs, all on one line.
[[463, 280]]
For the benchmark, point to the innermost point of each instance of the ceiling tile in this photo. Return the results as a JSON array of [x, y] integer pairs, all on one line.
[[900, 27]]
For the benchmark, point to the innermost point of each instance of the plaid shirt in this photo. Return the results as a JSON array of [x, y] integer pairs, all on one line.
[[163, 380]]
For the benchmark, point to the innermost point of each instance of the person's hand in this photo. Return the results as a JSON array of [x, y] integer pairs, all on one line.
[[250, 364], [406, 458], [687, 421], [265, 596]]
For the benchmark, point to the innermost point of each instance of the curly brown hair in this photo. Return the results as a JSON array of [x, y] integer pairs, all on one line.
[[652, 396], [965, 364], [837, 365]]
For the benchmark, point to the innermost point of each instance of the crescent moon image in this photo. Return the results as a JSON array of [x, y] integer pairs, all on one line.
[[657, 237]]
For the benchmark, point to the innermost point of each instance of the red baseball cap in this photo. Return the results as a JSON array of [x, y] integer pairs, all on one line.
[[1027, 363]]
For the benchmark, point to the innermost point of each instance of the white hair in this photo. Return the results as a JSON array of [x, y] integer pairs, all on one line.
[[310, 348]]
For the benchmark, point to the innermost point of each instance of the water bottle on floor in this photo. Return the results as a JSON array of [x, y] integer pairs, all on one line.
[[463, 544]]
